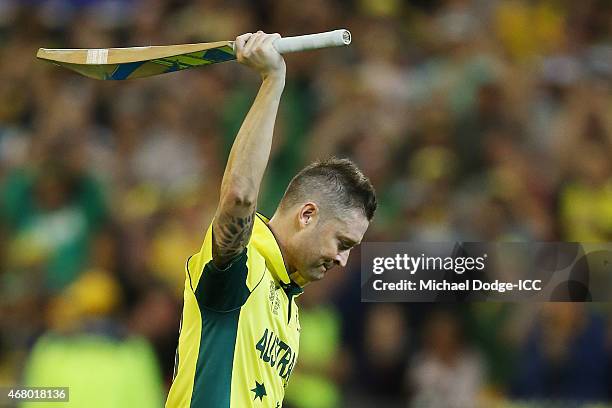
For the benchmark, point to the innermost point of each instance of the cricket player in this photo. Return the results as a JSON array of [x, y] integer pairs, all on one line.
[[240, 331]]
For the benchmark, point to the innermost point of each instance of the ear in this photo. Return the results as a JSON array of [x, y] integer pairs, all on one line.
[[308, 215]]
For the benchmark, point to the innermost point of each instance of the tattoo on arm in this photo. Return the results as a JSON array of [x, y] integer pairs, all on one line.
[[231, 234]]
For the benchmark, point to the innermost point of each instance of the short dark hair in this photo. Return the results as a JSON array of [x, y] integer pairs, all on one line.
[[337, 182]]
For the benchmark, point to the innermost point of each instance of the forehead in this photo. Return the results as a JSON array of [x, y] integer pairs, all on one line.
[[351, 224]]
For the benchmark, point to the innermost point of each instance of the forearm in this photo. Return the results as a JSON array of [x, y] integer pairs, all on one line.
[[251, 149]]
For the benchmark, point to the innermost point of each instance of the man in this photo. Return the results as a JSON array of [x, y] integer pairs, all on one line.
[[239, 334]]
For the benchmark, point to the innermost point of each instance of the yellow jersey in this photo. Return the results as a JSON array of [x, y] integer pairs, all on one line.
[[239, 335]]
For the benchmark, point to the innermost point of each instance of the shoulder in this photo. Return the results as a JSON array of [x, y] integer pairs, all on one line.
[[226, 289]]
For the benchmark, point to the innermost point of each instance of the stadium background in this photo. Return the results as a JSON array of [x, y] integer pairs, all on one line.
[[476, 120]]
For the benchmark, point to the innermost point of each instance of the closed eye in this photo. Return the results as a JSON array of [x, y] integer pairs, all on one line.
[[345, 243], [343, 246]]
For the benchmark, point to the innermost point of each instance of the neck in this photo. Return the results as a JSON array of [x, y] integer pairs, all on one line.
[[279, 229]]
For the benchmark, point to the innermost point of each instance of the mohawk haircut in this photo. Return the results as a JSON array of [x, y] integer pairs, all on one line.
[[334, 183]]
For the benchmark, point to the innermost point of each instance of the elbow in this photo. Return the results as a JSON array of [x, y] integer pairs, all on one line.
[[239, 198]]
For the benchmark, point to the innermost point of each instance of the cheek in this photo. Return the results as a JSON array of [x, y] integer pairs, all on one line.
[[329, 248], [316, 245], [312, 255], [306, 250]]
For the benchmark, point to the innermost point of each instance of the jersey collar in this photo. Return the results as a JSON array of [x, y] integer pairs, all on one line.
[[267, 245], [292, 289]]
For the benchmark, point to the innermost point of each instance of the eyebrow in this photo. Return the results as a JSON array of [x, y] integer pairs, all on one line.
[[349, 241]]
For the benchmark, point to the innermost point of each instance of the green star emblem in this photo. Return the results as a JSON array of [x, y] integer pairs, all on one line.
[[259, 390]]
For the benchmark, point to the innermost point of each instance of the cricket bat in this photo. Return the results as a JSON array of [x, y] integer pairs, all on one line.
[[140, 62]]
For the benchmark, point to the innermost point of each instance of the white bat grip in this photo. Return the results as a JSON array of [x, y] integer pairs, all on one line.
[[336, 38]]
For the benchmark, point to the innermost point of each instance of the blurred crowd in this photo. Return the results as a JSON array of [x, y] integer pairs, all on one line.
[[476, 120]]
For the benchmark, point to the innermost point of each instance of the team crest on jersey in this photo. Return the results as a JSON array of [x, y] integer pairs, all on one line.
[[273, 298]]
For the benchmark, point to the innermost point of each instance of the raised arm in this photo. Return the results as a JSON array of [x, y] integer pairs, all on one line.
[[251, 150]]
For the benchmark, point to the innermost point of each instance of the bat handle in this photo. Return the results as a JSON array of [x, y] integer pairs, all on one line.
[[335, 38]]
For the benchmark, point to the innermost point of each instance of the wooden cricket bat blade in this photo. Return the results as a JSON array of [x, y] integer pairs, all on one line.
[[139, 62]]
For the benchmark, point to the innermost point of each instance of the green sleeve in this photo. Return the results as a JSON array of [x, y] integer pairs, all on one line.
[[224, 290]]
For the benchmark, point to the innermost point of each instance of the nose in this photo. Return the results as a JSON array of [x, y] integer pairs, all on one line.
[[341, 258]]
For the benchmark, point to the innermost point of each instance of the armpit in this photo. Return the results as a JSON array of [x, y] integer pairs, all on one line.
[[231, 234]]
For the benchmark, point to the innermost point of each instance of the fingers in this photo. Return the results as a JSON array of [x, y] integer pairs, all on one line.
[[240, 43], [259, 40], [257, 51], [254, 42]]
